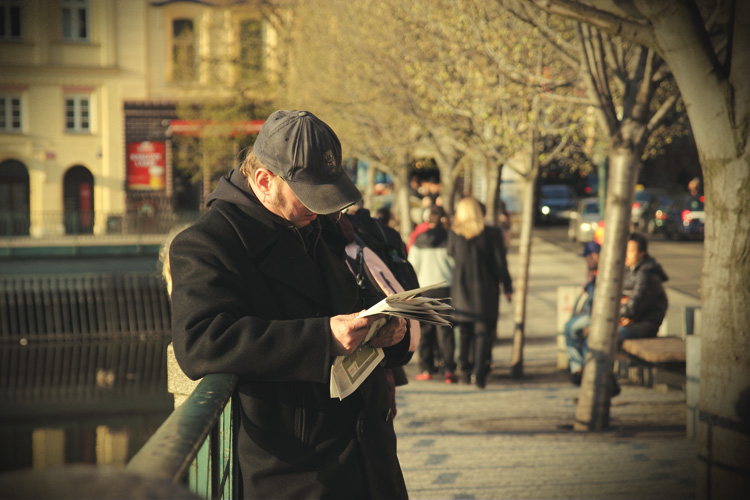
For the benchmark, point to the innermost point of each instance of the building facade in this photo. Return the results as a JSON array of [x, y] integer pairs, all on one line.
[[89, 90]]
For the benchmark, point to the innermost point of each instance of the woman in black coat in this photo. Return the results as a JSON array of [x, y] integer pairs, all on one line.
[[480, 269]]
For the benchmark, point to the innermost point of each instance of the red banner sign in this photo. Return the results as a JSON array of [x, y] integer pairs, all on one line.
[[147, 166]]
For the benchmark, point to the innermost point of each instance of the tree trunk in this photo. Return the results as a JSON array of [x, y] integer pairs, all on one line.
[[718, 110], [592, 412], [723, 426], [522, 281], [370, 187], [447, 187], [494, 177], [401, 187], [524, 249]]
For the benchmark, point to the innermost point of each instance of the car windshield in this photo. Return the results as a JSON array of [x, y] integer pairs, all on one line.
[[591, 207], [642, 196], [556, 192]]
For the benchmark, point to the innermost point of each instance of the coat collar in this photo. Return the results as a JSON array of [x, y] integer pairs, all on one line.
[[278, 248]]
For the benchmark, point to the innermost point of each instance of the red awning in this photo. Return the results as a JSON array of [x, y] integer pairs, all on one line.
[[194, 128]]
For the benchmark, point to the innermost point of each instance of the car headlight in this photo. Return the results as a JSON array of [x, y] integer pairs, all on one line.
[[585, 226], [545, 210]]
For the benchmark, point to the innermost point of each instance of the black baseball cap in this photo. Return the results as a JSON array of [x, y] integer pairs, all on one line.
[[305, 152]]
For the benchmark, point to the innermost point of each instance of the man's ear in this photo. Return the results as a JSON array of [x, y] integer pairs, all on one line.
[[263, 179]]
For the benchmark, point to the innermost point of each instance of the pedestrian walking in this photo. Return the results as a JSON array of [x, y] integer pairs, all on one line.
[[430, 259], [480, 269]]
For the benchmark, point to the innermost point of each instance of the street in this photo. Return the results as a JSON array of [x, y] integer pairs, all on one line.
[[682, 260]]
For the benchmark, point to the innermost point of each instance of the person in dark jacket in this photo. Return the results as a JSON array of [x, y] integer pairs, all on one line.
[[480, 268], [644, 303], [261, 290], [429, 256]]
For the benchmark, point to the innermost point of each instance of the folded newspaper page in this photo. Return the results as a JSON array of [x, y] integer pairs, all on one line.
[[348, 372]]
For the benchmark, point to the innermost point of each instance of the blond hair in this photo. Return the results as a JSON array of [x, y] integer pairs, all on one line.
[[166, 270], [251, 164], [468, 220]]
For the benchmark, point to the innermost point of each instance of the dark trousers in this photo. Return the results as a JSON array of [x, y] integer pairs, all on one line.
[[476, 339], [440, 339], [637, 330]]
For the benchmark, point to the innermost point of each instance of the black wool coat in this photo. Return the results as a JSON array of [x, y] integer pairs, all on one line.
[[253, 296], [480, 268]]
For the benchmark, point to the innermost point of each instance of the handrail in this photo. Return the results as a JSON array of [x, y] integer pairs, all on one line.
[[198, 427]]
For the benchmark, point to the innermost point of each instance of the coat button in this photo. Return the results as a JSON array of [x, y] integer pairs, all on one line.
[[361, 428]]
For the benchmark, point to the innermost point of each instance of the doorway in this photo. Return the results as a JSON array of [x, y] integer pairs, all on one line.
[[14, 199], [78, 200]]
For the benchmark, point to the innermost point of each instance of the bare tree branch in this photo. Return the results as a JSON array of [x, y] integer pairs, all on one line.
[[639, 31]]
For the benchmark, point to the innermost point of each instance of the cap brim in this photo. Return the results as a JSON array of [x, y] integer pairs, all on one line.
[[327, 198]]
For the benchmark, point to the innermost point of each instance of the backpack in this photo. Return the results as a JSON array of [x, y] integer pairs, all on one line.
[[387, 244]]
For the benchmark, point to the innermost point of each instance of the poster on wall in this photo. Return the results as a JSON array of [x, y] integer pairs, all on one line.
[[146, 165]]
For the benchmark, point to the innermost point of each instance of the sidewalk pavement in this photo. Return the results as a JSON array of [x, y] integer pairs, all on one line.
[[515, 439]]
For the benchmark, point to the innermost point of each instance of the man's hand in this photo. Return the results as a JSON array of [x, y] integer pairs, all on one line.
[[390, 334], [625, 321], [348, 332], [509, 297]]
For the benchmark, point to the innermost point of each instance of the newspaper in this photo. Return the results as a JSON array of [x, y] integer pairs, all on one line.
[[348, 372]]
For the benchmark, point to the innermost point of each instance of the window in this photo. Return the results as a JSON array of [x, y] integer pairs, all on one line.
[[77, 114], [183, 50], [11, 14], [75, 20], [251, 47], [10, 113]]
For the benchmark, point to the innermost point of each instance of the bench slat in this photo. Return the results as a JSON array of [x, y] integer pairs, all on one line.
[[656, 350]]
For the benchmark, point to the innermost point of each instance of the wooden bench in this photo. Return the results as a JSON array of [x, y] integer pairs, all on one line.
[[658, 361]]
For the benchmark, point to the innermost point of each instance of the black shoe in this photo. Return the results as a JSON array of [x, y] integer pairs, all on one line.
[[465, 378], [576, 377], [481, 381]]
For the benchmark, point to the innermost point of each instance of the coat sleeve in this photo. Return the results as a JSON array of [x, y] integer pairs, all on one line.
[[218, 325], [644, 282], [501, 261]]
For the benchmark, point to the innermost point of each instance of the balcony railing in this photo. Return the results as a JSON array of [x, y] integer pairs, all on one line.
[[197, 443], [35, 227]]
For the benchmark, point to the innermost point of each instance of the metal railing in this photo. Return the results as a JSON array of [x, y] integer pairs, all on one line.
[[70, 340], [36, 226], [197, 443]]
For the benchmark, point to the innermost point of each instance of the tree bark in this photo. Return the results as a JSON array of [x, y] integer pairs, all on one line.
[[401, 187], [524, 249], [719, 121], [369, 188], [724, 406], [592, 412]]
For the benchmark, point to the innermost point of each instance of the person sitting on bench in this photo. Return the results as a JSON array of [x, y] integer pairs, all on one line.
[[645, 303], [576, 328]]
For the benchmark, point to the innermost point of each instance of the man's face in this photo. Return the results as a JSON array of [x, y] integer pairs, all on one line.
[[284, 203], [632, 255]]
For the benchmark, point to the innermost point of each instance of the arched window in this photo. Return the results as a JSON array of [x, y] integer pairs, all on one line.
[[14, 199], [78, 200]]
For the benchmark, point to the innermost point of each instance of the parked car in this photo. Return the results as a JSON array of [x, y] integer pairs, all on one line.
[[644, 205], [686, 218], [658, 216], [584, 220], [556, 202]]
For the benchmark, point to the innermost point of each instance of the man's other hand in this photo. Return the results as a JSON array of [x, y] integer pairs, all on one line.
[[348, 332], [390, 334]]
